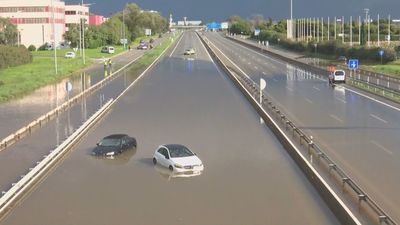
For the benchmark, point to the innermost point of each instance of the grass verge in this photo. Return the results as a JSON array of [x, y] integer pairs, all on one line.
[[376, 91]]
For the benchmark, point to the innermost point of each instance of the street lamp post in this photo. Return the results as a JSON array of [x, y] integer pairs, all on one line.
[[389, 30], [54, 38]]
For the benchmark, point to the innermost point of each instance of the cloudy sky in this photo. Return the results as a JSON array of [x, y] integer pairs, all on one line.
[[219, 10]]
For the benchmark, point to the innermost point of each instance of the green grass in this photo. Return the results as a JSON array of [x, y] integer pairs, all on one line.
[[377, 91], [392, 68], [21, 80]]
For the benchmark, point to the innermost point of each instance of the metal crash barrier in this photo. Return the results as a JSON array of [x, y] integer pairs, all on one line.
[[286, 131]]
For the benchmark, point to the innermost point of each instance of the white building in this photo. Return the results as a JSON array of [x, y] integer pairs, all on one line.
[[73, 14], [34, 20]]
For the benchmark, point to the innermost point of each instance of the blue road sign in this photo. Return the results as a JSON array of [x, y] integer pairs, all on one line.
[[353, 64], [381, 52], [213, 26]]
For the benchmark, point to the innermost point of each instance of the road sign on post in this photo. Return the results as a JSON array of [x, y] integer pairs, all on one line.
[[353, 64]]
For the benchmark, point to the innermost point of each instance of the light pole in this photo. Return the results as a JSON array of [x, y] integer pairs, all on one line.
[[342, 29], [379, 38], [389, 30], [329, 31], [54, 38], [335, 27], [351, 31]]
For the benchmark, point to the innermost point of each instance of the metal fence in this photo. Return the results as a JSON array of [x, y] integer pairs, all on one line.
[[315, 153]]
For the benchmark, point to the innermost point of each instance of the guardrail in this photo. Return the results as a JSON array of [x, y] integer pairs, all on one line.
[[310, 149], [28, 129], [36, 173], [383, 81]]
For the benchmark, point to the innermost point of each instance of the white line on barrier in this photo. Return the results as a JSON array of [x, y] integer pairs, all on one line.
[[292, 144]]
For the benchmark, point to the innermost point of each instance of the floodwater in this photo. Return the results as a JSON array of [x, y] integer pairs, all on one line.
[[248, 177]]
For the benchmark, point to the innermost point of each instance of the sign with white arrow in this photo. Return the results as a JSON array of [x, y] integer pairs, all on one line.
[[353, 64]]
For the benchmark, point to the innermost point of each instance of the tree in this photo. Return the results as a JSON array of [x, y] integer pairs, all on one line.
[[8, 32]]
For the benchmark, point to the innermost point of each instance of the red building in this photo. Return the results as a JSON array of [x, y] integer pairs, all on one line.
[[96, 20]]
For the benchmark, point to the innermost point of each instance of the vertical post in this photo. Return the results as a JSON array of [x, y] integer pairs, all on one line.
[[389, 30], [335, 27], [379, 38], [83, 38], [322, 21], [342, 29], [359, 30], [314, 30], [329, 31], [351, 31], [123, 26], [369, 31], [317, 29], [54, 38]]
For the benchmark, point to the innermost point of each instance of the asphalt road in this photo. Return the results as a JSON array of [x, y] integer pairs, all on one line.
[[358, 131], [248, 177]]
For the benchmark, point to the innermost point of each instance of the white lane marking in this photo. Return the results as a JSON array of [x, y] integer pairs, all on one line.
[[176, 46], [382, 147], [308, 100], [274, 79], [378, 118], [336, 118], [264, 73], [229, 59], [342, 100], [356, 92], [316, 88], [290, 89], [373, 99], [249, 63], [209, 56], [256, 67]]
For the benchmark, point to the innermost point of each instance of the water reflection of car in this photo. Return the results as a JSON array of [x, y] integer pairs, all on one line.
[[189, 51], [168, 174], [177, 158], [113, 145]]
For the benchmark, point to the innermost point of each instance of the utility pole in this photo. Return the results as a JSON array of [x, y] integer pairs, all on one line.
[[329, 31], [335, 27], [369, 31], [317, 29], [389, 30], [343, 29], [83, 38], [359, 30], [351, 31], [54, 38], [379, 38], [322, 20]]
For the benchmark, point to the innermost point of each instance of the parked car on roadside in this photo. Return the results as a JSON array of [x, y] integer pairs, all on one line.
[[108, 49], [69, 55]]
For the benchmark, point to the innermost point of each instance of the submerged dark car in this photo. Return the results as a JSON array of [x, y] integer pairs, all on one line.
[[113, 145]]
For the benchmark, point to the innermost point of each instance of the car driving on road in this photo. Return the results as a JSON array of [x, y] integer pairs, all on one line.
[[339, 76], [113, 145], [177, 158], [69, 55], [189, 51]]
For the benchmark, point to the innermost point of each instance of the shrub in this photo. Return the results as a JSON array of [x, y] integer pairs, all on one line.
[[13, 56], [31, 48]]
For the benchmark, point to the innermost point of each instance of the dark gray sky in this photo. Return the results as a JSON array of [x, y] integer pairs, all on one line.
[[219, 10]]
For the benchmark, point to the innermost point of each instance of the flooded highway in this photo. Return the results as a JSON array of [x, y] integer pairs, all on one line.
[[248, 176]]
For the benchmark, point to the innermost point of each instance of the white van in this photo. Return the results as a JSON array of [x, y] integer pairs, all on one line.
[[339, 76], [108, 49]]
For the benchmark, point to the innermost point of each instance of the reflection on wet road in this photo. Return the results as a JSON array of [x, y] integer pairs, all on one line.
[[249, 178]]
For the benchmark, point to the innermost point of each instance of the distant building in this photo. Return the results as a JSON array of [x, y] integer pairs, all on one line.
[[96, 20], [189, 23], [74, 13], [34, 20]]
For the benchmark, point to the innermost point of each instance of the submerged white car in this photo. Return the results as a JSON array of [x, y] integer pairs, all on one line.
[[177, 158]]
